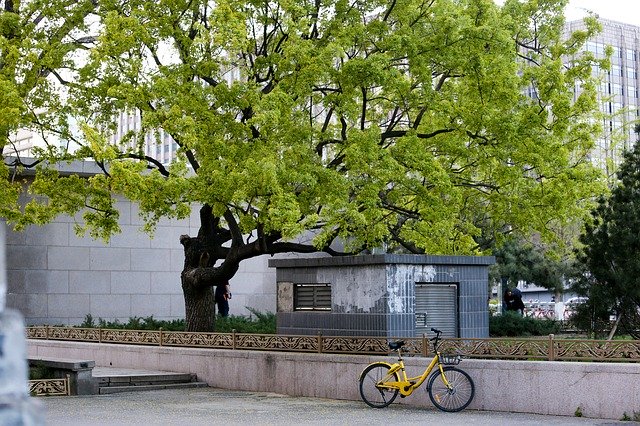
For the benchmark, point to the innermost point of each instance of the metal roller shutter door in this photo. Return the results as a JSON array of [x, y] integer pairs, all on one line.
[[437, 306]]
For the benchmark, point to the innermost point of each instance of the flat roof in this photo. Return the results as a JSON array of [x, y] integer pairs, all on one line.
[[381, 259]]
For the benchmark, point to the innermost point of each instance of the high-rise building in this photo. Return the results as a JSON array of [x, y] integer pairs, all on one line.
[[158, 144], [618, 89]]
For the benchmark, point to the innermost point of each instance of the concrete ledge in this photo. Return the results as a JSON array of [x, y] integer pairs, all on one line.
[[80, 372], [149, 379], [600, 390]]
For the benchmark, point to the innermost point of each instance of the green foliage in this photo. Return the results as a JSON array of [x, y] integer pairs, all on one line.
[[512, 324], [519, 260], [608, 268], [578, 412], [37, 371], [594, 319], [627, 418], [134, 323], [257, 322], [403, 125], [88, 322]]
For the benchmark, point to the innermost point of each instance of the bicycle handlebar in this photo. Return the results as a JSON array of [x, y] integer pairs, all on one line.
[[438, 333], [435, 339]]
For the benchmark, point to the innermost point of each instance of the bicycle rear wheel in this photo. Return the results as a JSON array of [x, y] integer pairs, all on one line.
[[454, 398], [370, 392]]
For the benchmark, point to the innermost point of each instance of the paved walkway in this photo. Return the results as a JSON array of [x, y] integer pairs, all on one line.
[[209, 406]]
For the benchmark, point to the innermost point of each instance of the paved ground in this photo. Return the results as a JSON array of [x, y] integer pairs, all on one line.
[[209, 406]]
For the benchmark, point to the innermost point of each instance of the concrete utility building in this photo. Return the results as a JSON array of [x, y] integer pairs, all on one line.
[[385, 295]]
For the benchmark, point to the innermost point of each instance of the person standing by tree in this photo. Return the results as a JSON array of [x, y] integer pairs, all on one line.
[[223, 294]]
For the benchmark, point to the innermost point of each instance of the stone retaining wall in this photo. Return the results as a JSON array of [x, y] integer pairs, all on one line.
[[598, 390]]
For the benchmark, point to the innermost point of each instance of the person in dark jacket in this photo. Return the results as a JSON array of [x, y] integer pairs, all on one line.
[[222, 296], [512, 301]]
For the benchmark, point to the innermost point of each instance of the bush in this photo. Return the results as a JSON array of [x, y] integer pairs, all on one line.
[[511, 324], [38, 371], [263, 323], [135, 323], [256, 322]]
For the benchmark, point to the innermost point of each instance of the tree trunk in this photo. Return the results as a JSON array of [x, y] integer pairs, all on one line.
[[199, 300], [199, 304], [614, 328], [199, 279]]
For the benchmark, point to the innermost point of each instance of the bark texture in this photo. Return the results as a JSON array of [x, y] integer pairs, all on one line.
[[213, 258]]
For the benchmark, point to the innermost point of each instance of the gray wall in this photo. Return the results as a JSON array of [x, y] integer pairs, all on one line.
[[56, 277], [374, 295], [600, 389]]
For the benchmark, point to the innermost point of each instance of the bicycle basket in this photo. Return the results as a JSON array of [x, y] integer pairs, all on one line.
[[450, 359]]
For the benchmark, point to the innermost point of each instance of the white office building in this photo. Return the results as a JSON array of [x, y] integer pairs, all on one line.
[[618, 90]]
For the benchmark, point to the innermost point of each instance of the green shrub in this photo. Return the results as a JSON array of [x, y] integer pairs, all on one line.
[[38, 371], [512, 324], [263, 323], [628, 418], [256, 322], [88, 322], [134, 323]]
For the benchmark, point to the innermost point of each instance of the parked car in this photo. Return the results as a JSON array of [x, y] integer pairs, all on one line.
[[575, 300], [570, 306]]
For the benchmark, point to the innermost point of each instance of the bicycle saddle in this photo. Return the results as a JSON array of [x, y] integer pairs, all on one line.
[[396, 345]]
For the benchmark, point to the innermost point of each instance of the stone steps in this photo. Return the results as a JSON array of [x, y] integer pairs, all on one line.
[[131, 381], [136, 388]]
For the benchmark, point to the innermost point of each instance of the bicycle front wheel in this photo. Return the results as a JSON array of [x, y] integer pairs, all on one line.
[[370, 391], [455, 397]]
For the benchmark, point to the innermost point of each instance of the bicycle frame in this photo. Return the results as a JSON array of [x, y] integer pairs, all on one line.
[[407, 385], [450, 394]]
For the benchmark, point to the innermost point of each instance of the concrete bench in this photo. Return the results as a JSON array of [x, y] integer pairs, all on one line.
[[80, 373]]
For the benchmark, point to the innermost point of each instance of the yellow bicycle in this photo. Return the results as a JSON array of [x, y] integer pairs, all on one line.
[[450, 389]]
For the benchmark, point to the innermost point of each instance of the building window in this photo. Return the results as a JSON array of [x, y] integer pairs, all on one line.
[[312, 297], [617, 89], [597, 48], [616, 70]]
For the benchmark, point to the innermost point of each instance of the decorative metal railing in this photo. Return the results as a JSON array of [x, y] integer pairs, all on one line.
[[50, 387], [548, 348]]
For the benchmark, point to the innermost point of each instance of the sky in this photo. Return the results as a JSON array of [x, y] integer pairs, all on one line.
[[627, 11]]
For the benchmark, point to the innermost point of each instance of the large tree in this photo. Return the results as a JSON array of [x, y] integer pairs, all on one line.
[[409, 124], [609, 272], [38, 41]]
